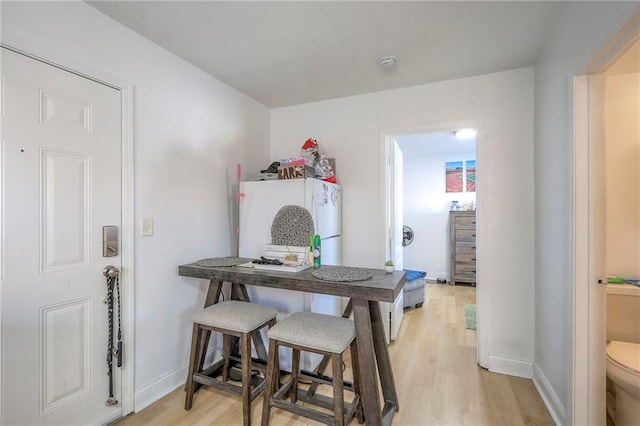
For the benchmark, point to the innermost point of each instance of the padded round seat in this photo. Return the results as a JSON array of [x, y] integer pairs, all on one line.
[[315, 331], [323, 334], [234, 319], [234, 315]]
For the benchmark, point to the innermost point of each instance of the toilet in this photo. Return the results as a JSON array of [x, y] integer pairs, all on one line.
[[623, 354]]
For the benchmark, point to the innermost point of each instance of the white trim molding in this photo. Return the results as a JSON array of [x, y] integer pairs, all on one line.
[[549, 397], [510, 366], [609, 51], [580, 329], [168, 382]]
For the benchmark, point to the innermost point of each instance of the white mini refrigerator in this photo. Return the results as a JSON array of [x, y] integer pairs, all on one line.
[[259, 203]]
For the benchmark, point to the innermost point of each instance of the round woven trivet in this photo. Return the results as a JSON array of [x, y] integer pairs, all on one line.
[[222, 261], [292, 226], [342, 274]]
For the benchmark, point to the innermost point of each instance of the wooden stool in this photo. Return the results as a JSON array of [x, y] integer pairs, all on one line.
[[231, 318], [323, 334]]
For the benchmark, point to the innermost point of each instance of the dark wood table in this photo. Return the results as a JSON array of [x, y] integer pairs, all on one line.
[[364, 297]]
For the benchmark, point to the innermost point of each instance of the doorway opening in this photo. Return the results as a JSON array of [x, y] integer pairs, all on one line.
[[606, 215], [428, 172], [439, 177]]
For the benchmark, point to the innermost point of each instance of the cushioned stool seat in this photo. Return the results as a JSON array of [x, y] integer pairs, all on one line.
[[323, 334], [234, 315], [233, 319], [315, 331]]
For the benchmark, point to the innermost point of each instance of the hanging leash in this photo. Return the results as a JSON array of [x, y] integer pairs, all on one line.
[[112, 274], [119, 350]]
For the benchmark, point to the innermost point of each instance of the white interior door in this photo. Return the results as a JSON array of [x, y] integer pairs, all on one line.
[[392, 312], [398, 248], [397, 212], [61, 137]]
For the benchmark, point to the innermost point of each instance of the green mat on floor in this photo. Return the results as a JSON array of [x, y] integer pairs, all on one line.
[[469, 315]]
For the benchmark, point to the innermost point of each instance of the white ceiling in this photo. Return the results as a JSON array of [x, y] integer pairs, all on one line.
[[293, 52]]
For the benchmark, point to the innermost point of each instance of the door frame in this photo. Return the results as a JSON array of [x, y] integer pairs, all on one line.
[[586, 247], [127, 231], [483, 292], [584, 210]]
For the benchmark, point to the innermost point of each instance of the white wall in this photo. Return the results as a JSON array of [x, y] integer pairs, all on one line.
[[623, 175], [190, 131], [350, 130], [586, 27], [426, 210]]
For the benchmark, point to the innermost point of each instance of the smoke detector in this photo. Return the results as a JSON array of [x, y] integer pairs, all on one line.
[[387, 62]]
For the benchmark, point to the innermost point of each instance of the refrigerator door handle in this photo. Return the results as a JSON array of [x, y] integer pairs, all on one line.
[[329, 237]]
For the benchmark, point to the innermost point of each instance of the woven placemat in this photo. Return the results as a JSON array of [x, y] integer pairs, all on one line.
[[222, 261], [342, 274], [292, 226]]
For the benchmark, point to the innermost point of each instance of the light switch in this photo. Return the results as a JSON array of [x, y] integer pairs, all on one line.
[[147, 227]]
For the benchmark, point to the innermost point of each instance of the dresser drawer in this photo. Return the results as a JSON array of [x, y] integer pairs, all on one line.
[[465, 267], [465, 222], [466, 277], [465, 258], [465, 235], [465, 247]]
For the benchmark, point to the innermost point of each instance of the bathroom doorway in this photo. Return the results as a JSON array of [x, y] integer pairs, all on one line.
[[607, 205], [622, 186]]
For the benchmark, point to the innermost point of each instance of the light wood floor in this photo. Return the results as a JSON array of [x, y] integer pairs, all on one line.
[[437, 378]]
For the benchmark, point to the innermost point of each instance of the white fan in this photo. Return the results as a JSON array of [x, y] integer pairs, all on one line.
[[407, 235]]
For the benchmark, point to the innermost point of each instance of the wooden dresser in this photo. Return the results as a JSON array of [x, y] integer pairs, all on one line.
[[462, 226]]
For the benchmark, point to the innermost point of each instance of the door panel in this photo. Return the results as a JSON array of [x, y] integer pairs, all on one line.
[[398, 203], [64, 179], [392, 312], [65, 335], [61, 135]]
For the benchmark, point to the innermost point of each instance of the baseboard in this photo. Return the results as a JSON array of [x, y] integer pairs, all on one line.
[[434, 276], [549, 397], [168, 383], [110, 420], [510, 366]]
